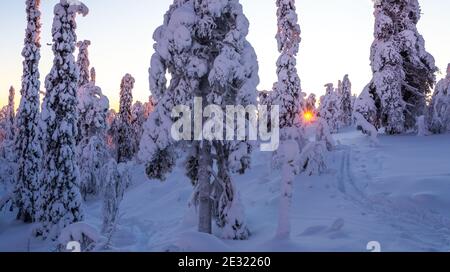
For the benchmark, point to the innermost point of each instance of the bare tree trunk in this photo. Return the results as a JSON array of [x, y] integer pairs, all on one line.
[[218, 185], [204, 179]]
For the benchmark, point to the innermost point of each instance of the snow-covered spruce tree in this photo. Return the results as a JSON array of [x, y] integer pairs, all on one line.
[[438, 118], [93, 153], [354, 97], [365, 105], [113, 195], [93, 75], [287, 90], [3, 114], [8, 156], [138, 113], [11, 130], [288, 95], [83, 62], [8, 117], [125, 150], [329, 109], [313, 157], [111, 132], [92, 149], [323, 134], [61, 198], [345, 96], [387, 67], [156, 140], [92, 111], [365, 115], [310, 104], [27, 145], [403, 72], [149, 107], [265, 99], [418, 64], [203, 46]]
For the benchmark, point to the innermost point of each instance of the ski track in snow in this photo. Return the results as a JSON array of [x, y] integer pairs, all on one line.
[[429, 230]]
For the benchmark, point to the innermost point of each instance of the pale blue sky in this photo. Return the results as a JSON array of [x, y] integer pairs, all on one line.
[[336, 40]]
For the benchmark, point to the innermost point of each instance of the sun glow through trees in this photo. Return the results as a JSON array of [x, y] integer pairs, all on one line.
[[309, 117]]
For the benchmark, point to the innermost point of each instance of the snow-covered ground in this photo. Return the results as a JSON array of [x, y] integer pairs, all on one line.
[[396, 193]]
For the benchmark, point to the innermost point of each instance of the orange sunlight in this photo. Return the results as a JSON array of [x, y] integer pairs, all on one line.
[[309, 117]]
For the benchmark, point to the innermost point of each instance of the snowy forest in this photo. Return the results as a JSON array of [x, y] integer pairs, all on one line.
[[352, 167]]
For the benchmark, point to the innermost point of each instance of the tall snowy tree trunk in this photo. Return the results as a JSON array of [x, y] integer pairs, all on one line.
[[204, 180], [290, 151], [284, 224]]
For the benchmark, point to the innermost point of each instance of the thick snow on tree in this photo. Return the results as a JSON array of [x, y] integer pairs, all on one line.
[[7, 153], [418, 64], [264, 97], [157, 147], [138, 113], [403, 71], [11, 115], [366, 127], [310, 104], [113, 195], [93, 108], [365, 105], [313, 158], [422, 127], [7, 120], [354, 97], [290, 169], [287, 91], [93, 75], [27, 145], [323, 134], [345, 95], [125, 149], [92, 156], [92, 149], [365, 115], [88, 237], [288, 95], [111, 132], [439, 112], [149, 107], [83, 62], [3, 118], [8, 128], [61, 198], [202, 44], [329, 109]]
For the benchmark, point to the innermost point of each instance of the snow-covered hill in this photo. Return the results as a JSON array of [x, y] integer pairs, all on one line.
[[396, 193]]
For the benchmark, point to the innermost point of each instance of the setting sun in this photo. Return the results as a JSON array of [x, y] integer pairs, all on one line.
[[308, 116]]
